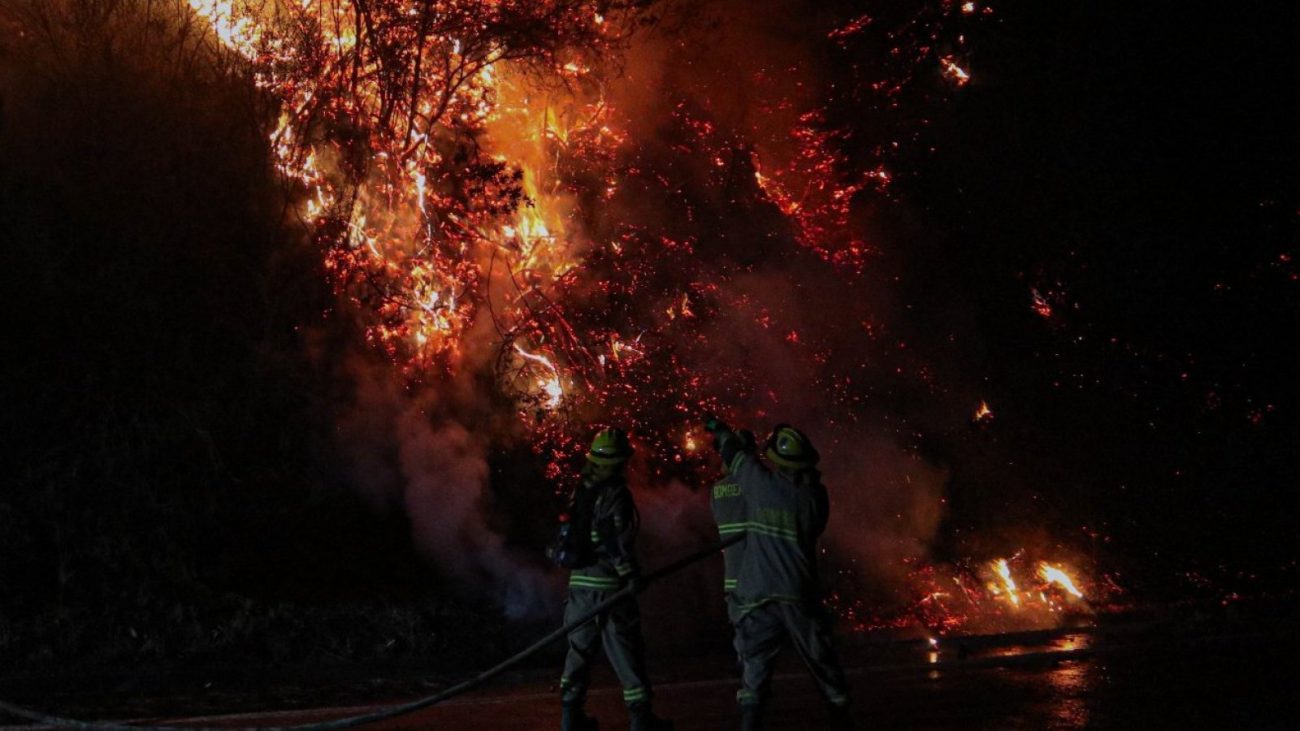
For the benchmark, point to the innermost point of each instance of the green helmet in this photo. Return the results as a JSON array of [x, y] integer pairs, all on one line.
[[790, 448], [610, 447]]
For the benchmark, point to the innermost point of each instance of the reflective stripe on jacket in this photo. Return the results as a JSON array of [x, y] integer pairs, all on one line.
[[613, 537], [728, 504], [783, 521]]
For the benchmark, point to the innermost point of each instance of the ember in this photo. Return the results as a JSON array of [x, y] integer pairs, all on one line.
[[957, 74]]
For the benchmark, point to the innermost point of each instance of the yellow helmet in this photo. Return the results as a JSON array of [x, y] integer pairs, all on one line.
[[790, 448], [610, 447]]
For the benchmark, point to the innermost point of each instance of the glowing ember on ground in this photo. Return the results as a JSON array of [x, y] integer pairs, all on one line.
[[990, 596], [983, 413]]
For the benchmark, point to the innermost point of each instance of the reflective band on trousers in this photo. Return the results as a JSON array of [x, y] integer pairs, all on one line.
[[632, 695]]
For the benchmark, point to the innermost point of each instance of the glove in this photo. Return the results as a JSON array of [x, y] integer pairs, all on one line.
[[637, 583]]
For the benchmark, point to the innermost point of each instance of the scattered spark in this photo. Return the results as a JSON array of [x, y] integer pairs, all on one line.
[[1041, 306], [955, 73]]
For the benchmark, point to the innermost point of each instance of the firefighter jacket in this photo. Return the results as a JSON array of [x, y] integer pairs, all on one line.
[[784, 515], [614, 526]]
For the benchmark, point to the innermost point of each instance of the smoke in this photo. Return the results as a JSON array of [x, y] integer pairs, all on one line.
[[888, 505], [408, 450], [887, 500], [791, 336]]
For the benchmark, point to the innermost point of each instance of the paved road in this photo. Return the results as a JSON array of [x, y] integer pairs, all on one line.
[[1072, 681]]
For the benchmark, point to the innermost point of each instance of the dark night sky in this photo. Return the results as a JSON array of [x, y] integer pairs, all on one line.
[[1136, 164]]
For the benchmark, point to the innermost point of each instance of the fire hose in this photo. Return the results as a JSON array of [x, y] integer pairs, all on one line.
[[402, 709]]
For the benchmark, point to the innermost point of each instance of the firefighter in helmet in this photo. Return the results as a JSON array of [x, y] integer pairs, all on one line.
[[777, 593], [605, 565]]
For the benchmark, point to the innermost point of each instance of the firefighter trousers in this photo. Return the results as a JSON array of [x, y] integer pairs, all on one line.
[[760, 635], [618, 629]]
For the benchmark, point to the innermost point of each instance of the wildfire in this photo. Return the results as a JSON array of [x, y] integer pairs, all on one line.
[[450, 173], [1049, 575], [1003, 572], [407, 233], [439, 154], [995, 595], [232, 23], [1056, 575]]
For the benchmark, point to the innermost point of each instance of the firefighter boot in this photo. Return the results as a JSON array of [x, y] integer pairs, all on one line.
[[573, 718], [751, 718], [643, 719]]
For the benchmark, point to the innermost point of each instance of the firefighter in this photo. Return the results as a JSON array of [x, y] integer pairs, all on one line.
[[610, 566], [729, 513], [777, 592]]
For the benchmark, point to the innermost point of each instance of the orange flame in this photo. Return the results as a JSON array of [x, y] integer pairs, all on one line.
[[549, 385], [1003, 570], [1056, 575]]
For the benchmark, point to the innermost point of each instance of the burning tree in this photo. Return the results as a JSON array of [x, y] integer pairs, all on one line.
[[385, 106]]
